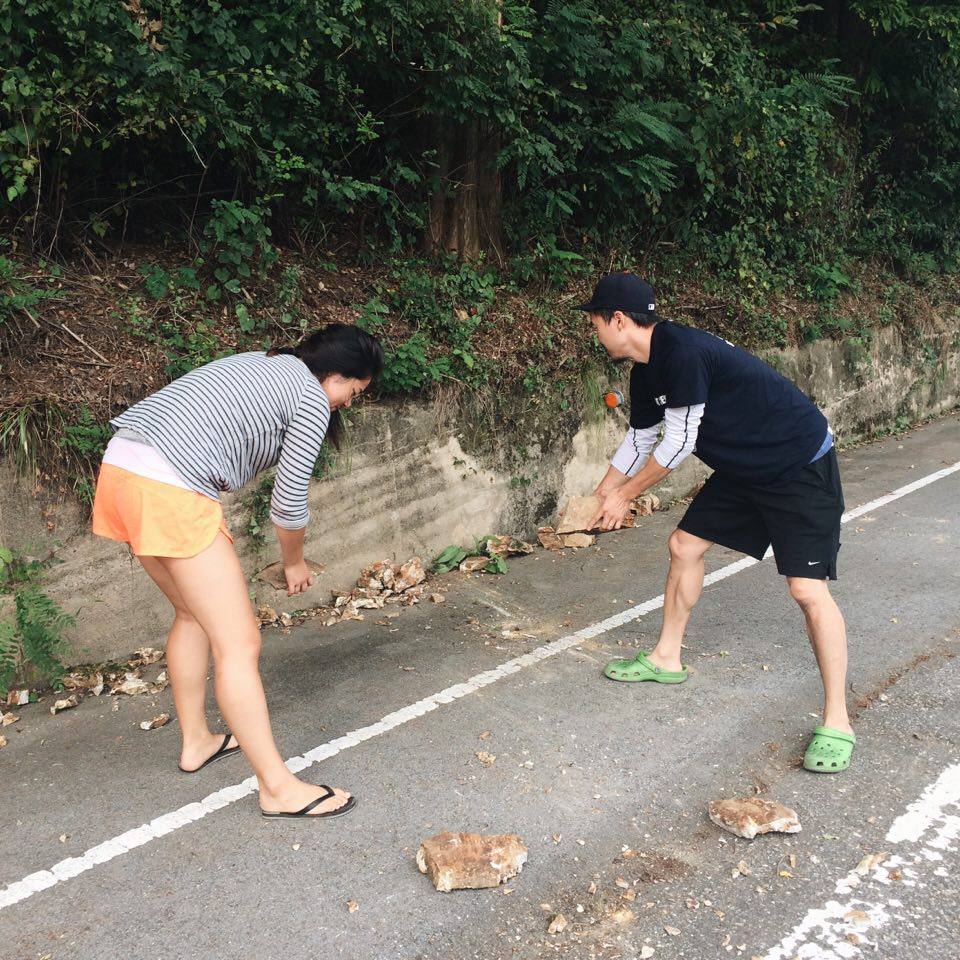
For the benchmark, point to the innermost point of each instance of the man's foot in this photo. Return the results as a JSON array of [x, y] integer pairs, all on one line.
[[296, 795], [838, 721], [200, 752], [640, 668], [670, 664], [829, 751]]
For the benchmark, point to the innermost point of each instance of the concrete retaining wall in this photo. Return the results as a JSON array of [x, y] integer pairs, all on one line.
[[410, 483]]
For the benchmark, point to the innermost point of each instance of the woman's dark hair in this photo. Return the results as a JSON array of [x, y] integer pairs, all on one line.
[[338, 348]]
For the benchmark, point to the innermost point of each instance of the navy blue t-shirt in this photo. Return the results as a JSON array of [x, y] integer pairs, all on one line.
[[757, 426]]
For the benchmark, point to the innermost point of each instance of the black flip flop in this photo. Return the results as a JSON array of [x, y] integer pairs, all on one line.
[[305, 813], [219, 755]]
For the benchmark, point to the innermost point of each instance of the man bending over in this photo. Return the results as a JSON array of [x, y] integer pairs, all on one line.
[[776, 482]]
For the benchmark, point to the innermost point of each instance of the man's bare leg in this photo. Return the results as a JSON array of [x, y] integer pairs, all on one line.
[[828, 637], [684, 583]]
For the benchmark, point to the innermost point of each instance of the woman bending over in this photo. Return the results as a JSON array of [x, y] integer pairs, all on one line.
[[159, 487]]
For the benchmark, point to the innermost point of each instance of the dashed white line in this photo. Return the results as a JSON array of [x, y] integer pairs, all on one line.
[[161, 826], [842, 929]]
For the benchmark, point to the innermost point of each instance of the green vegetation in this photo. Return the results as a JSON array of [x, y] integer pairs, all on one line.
[[489, 554], [450, 173], [764, 139], [38, 434], [32, 636]]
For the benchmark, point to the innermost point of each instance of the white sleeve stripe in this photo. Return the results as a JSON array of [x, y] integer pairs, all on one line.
[[637, 450], [679, 435]]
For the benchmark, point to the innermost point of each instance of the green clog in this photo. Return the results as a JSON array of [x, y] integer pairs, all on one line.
[[829, 750], [640, 668]]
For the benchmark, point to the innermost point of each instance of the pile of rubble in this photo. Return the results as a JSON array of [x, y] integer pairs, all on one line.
[[115, 679], [379, 584]]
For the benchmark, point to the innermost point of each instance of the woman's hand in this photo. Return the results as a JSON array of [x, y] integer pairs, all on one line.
[[613, 511], [299, 578]]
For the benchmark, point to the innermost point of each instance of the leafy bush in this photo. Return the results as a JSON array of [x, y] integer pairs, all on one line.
[[238, 240], [408, 368], [750, 138]]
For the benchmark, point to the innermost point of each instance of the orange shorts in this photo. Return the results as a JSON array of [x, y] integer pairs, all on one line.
[[156, 519]]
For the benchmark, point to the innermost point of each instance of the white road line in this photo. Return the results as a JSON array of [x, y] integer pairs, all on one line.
[[842, 929], [168, 822]]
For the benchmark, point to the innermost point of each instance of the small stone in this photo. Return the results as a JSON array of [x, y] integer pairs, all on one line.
[[557, 924], [673, 931], [548, 538], [470, 861], [131, 685], [577, 541], [161, 720], [646, 504], [409, 575], [352, 906], [750, 816]]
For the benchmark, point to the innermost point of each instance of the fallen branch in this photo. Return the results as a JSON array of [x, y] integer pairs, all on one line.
[[84, 343]]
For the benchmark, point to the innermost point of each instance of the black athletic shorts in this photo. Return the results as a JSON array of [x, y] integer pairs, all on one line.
[[800, 518]]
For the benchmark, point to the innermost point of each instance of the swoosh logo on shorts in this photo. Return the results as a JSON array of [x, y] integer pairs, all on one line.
[[813, 563]]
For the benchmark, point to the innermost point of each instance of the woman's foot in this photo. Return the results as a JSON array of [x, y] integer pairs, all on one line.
[[195, 754], [296, 795]]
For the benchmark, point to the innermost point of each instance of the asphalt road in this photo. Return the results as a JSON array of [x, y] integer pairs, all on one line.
[[607, 783]]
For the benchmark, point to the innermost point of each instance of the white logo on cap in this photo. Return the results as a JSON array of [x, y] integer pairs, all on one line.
[[651, 306]]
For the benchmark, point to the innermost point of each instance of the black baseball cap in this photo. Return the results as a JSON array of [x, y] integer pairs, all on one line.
[[621, 291]]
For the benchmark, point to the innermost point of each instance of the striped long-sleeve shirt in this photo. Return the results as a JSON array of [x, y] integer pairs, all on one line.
[[225, 422], [679, 441]]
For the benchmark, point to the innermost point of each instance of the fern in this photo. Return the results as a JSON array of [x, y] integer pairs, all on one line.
[[35, 639], [9, 655]]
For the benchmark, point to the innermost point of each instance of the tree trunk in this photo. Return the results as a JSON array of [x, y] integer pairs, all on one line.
[[465, 210]]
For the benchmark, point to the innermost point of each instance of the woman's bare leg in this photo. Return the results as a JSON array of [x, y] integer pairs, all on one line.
[[188, 657], [214, 590]]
